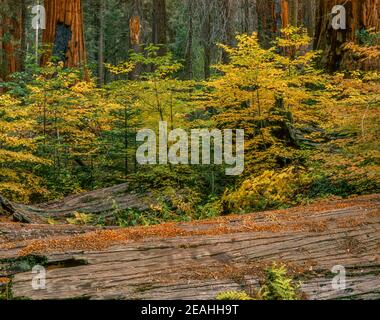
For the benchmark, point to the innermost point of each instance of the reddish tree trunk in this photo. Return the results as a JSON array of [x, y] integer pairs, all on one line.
[[11, 34], [298, 13], [285, 13], [64, 32], [135, 33], [361, 14], [267, 21]]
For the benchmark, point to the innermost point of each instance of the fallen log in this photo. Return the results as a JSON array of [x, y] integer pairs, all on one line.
[[201, 259], [5, 206], [96, 202]]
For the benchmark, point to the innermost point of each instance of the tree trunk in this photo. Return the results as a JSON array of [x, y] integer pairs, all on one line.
[[285, 13], [299, 13], [24, 45], [246, 16], [11, 37], [159, 28], [135, 34], [64, 32], [189, 48], [206, 42], [101, 43], [227, 23], [360, 14], [267, 21], [293, 6], [308, 16]]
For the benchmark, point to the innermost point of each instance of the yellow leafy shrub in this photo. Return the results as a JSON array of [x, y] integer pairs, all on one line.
[[17, 144], [267, 190]]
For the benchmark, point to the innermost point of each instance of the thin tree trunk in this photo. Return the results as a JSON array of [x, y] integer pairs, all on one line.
[[246, 11], [308, 17], [189, 49], [135, 34], [101, 41], [228, 33], [101, 44], [159, 28], [126, 144], [207, 45], [293, 6], [285, 13], [24, 34]]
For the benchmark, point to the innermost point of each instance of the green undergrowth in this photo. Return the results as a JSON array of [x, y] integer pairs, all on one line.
[[278, 285]]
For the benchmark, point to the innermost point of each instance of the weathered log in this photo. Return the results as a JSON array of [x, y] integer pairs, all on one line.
[[96, 202], [5, 206], [199, 260]]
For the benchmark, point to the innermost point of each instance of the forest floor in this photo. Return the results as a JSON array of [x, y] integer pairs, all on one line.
[[194, 260]]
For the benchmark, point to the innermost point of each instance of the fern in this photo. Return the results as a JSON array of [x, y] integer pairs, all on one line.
[[80, 219], [278, 285], [233, 295]]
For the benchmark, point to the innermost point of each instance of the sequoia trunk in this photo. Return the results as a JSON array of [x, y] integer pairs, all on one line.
[[360, 15], [11, 37], [64, 32], [267, 21]]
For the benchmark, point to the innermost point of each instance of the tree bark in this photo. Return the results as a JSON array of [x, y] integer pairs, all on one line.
[[135, 34], [227, 17], [285, 13], [246, 16], [205, 9], [308, 16], [101, 42], [361, 14], [159, 28], [293, 6], [298, 13], [11, 37], [64, 32], [24, 26], [189, 48], [96, 202], [206, 42], [267, 21]]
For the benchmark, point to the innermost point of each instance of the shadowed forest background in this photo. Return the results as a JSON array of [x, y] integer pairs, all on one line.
[[74, 95]]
